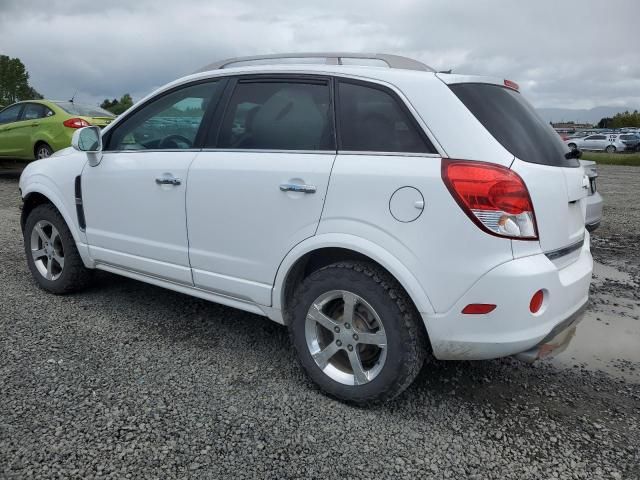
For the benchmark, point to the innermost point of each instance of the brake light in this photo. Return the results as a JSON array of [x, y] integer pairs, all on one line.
[[512, 85], [495, 198], [76, 123]]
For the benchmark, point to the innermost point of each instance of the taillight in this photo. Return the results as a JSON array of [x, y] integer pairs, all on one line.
[[494, 197], [76, 123]]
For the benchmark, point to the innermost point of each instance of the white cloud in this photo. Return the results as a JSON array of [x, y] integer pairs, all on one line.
[[568, 54]]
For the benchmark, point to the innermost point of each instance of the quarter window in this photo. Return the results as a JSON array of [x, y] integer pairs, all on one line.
[[168, 123], [10, 114], [372, 120], [278, 115]]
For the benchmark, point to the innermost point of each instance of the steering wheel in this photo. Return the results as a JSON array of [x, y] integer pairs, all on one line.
[[171, 141]]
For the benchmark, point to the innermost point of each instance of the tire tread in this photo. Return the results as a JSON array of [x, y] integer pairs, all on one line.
[[415, 343]]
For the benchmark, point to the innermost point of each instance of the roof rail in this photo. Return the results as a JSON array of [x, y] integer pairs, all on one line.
[[331, 58]]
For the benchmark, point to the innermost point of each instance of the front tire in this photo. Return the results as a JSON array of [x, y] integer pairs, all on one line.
[[51, 252], [572, 146], [356, 333], [610, 149]]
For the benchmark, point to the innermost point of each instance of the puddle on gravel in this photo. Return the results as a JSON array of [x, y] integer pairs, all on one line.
[[608, 338]]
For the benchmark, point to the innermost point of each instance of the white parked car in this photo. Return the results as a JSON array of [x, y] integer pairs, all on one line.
[[606, 142], [381, 212]]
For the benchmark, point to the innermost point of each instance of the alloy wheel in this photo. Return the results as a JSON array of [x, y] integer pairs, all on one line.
[[46, 250], [43, 152], [345, 337]]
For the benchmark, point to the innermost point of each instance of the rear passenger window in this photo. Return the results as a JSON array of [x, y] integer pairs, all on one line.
[[278, 115], [33, 111], [372, 120]]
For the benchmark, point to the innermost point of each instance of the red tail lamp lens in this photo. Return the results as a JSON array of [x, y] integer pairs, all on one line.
[[494, 197], [76, 123], [478, 308], [536, 301]]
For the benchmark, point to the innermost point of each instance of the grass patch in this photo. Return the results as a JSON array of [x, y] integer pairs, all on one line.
[[630, 159]]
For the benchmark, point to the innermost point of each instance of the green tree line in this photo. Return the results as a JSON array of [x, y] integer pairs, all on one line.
[[619, 120], [116, 106], [14, 82]]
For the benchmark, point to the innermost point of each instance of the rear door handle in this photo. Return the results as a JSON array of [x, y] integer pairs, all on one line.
[[295, 187], [168, 180]]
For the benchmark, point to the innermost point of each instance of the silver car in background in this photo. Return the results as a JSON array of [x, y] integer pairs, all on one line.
[[606, 142], [594, 200]]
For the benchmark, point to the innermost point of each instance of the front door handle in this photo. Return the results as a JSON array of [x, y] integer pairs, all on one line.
[[295, 187], [168, 180]]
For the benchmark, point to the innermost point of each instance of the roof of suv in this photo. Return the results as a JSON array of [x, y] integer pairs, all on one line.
[[328, 58]]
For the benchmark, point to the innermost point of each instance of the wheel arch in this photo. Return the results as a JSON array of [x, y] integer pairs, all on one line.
[[322, 250], [31, 201], [38, 193]]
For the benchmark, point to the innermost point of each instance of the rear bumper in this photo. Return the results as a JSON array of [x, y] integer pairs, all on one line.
[[594, 211], [511, 328], [556, 341]]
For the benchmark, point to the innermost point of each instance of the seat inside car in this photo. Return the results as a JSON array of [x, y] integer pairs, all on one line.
[[288, 118]]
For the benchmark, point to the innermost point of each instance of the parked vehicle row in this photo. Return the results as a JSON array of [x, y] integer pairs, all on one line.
[[337, 200], [36, 128], [610, 143]]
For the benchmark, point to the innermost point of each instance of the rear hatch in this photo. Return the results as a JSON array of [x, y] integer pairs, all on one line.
[[557, 185]]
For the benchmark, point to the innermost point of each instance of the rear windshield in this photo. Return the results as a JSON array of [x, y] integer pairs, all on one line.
[[83, 110], [514, 123]]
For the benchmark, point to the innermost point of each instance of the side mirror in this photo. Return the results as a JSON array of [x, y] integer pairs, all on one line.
[[88, 140]]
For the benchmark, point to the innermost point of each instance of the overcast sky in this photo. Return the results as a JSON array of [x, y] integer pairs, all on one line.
[[575, 54]]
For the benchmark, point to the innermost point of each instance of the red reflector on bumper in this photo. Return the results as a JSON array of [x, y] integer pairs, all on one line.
[[536, 301], [478, 308]]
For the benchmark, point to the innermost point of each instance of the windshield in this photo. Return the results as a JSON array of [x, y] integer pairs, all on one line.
[[84, 110], [514, 123]]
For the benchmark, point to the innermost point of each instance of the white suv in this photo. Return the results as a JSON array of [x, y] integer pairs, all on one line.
[[381, 212]]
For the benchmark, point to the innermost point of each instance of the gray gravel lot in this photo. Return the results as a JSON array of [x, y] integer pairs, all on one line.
[[127, 380]]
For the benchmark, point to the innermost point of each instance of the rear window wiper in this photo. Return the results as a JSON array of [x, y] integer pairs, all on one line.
[[575, 153]]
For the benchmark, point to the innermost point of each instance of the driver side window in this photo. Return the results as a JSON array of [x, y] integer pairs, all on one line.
[[170, 122]]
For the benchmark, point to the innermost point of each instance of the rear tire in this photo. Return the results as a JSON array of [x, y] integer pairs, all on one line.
[[51, 252], [369, 354], [610, 149], [42, 150]]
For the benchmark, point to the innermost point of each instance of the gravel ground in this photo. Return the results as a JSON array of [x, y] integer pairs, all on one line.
[[127, 380]]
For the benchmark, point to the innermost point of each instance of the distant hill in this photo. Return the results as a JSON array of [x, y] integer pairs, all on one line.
[[592, 115]]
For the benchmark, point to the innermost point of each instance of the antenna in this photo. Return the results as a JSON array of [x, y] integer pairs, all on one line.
[[74, 96]]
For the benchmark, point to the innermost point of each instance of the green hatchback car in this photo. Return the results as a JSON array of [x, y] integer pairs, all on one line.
[[37, 128]]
